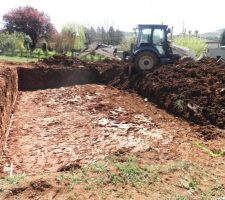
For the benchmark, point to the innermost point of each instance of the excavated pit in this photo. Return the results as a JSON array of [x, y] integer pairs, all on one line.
[[70, 119], [31, 79]]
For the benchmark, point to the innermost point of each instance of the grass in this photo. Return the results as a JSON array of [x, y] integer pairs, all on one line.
[[14, 179], [93, 58], [193, 43], [115, 176], [18, 59]]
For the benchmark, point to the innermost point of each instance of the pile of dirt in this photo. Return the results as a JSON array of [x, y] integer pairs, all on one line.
[[192, 90], [62, 60]]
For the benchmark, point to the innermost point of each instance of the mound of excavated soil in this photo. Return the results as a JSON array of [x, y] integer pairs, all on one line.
[[62, 60], [194, 90]]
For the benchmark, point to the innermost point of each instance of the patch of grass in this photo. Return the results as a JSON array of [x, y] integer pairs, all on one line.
[[213, 153], [61, 177], [191, 185], [93, 58], [101, 181], [71, 177], [18, 59], [14, 179], [74, 179], [88, 187], [99, 167], [181, 198]]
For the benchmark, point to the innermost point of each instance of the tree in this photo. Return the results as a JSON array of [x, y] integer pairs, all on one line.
[[111, 35], [91, 35], [126, 42], [30, 21], [222, 39], [196, 33], [72, 36], [11, 42], [118, 37]]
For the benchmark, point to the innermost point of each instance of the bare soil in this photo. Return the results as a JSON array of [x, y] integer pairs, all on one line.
[[95, 141]]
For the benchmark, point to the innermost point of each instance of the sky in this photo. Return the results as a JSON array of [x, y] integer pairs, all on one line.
[[201, 15]]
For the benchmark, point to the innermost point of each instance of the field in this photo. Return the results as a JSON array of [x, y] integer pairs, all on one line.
[[87, 130]]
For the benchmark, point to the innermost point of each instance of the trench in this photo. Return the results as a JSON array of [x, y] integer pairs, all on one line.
[[63, 116]]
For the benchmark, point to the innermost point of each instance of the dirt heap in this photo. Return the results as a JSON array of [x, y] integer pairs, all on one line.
[[192, 90], [62, 60]]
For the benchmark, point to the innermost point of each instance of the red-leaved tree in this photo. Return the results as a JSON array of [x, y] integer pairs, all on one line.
[[30, 21]]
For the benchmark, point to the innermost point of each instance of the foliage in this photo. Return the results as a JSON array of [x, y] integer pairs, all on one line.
[[30, 21], [110, 36], [93, 57], [27, 42], [194, 43], [14, 179], [179, 104], [222, 39], [71, 37], [126, 43], [10, 42], [18, 59]]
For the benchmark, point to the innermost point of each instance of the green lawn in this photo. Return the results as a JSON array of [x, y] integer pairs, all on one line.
[[17, 59]]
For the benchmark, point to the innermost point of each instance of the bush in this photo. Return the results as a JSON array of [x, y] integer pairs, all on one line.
[[126, 43], [11, 42]]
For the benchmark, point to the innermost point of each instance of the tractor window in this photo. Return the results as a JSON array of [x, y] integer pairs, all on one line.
[[159, 39], [158, 36], [145, 36]]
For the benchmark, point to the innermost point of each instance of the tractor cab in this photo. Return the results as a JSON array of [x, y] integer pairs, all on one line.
[[152, 47]]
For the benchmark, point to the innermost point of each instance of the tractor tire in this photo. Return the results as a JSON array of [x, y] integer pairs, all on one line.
[[145, 61]]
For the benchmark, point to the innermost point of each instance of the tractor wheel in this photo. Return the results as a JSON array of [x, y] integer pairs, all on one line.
[[146, 61]]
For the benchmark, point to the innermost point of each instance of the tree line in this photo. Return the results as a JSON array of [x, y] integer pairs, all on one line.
[[29, 28], [110, 36]]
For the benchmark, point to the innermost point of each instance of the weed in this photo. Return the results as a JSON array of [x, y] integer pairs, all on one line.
[[74, 179], [190, 185], [61, 177], [179, 104], [14, 179], [88, 188], [181, 198], [101, 181], [99, 167], [114, 178]]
